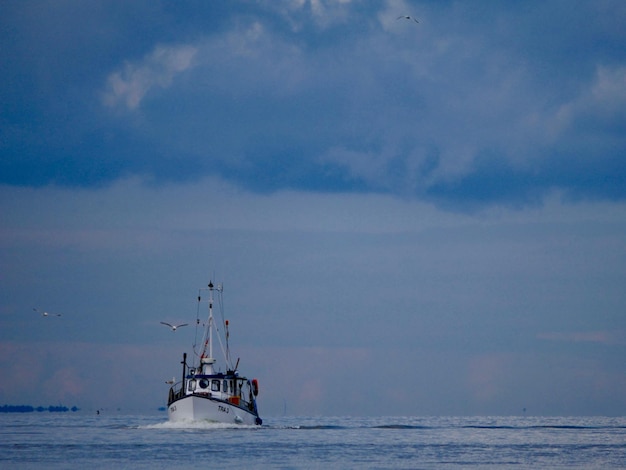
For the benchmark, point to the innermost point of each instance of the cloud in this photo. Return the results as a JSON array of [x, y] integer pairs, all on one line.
[[158, 69], [303, 15], [322, 288], [336, 96], [484, 376], [88, 375], [418, 200], [609, 338], [66, 384], [599, 108]]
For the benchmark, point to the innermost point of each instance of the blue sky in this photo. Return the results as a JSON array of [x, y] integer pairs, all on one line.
[[408, 218]]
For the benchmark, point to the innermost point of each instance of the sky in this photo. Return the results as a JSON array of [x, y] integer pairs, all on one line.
[[408, 217]]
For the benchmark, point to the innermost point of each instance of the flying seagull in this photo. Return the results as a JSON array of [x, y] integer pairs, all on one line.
[[406, 17], [173, 327], [46, 314]]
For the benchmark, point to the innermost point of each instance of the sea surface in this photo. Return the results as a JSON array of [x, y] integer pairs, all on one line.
[[85, 441]]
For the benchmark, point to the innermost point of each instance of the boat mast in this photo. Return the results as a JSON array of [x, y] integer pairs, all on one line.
[[210, 319], [207, 361], [206, 357]]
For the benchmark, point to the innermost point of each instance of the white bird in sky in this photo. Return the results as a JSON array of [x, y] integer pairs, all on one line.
[[173, 327], [406, 17], [46, 314]]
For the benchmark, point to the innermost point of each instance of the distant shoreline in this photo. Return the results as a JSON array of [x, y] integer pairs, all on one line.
[[39, 409]]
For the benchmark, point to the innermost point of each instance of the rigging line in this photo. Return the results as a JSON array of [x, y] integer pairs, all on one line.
[[205, 334], [220, 306], [195, 339], [219, 340], [220, 302]]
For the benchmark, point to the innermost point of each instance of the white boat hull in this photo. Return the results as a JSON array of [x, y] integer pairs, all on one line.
[[199, 408]]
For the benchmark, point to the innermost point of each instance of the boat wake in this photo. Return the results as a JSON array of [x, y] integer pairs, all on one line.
[[196, 424]]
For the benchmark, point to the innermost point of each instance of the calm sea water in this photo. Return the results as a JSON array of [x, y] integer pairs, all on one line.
[[80, 441]]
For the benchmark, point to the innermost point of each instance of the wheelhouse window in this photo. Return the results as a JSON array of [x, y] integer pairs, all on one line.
[[215, 385]]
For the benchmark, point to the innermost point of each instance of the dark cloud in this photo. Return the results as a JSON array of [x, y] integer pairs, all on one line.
[[482, 103]]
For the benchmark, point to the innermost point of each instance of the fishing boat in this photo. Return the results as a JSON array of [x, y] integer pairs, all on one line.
[[206, 393]]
